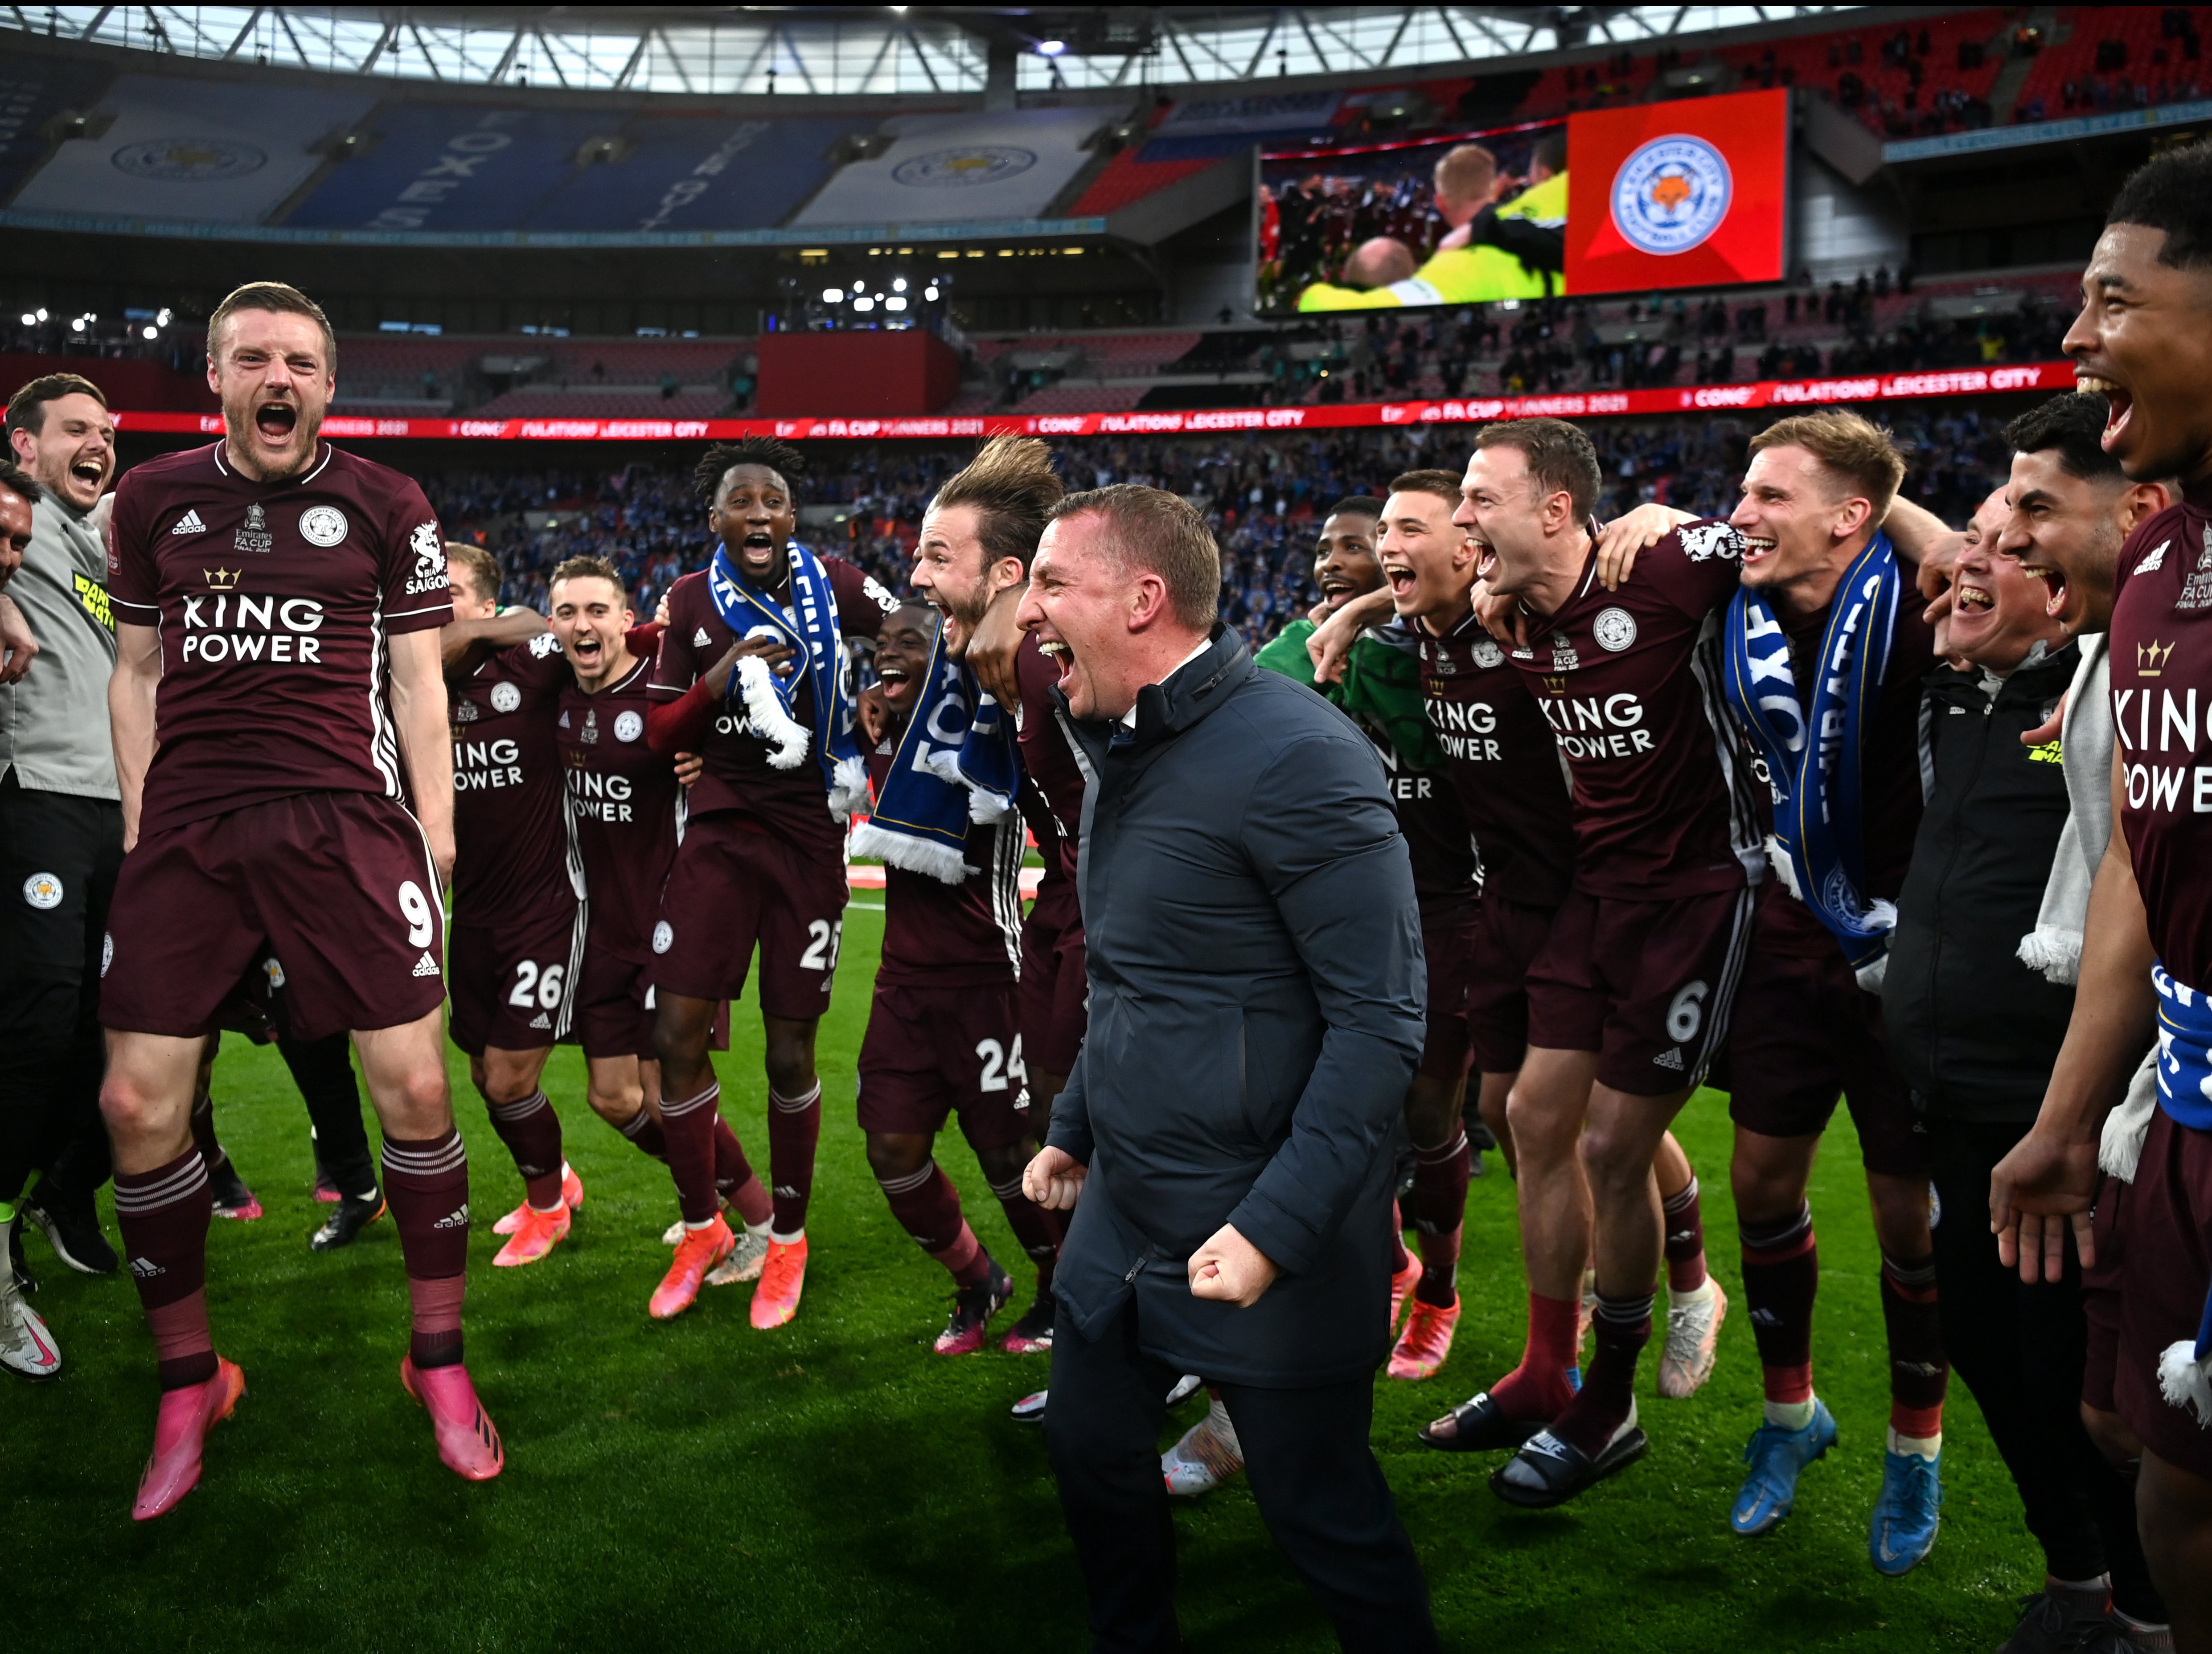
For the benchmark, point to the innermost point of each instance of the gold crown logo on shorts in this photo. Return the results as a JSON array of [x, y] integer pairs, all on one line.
[[2151, 658], [221, 579]]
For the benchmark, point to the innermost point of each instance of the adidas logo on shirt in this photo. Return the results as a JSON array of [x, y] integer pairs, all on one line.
[[539, 1021], [145, 1268], [189, 523], [454, 1219], [700, 641], [427, 966], [1670, 1058]]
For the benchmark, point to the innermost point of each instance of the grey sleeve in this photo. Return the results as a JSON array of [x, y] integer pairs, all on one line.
[[1321, 834]]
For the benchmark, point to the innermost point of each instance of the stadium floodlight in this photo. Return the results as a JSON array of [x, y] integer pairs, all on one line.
[[894, 303], [1050, 48], [833, 295], [898, 284], [152, 332], [864, 303], [42, 312], [860, 286], [161, 319], [30, 320], [930, 294], [77, 326]]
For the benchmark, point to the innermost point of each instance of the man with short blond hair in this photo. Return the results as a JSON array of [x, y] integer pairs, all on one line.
[[281, 743]]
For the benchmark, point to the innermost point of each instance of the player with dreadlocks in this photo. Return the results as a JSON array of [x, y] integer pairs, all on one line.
[[752, 677]]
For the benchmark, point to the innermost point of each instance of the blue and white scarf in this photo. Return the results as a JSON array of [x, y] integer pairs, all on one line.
[[2185, 1092], [767, 698], [1814, 759], [956, 763]]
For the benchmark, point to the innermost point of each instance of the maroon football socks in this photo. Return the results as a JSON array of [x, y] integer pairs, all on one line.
[[426, 1182], [532, 1131], [1686, 1240], [1623, 1327], [687, 1124], [164, 1215], [794, 1125], [927, 1207], [1440, 1177], [1781, 1275], [1539, 1388], [1918, 1373], [1039, 1230], [733, 1176], [645, 1131]]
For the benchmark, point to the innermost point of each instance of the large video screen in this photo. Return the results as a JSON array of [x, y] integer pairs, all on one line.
[[1654, 196]]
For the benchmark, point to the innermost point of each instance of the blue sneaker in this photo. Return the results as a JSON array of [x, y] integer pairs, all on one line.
[[1904, 1529], [1776, 1455]]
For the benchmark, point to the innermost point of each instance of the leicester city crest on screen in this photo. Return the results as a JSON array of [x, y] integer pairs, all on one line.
[[1670, 194]]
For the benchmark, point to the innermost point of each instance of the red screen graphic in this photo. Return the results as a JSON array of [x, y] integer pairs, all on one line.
[[1677, 195]]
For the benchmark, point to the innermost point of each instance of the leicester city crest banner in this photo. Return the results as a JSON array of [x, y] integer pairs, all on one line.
[[205, 151], [948, 168]]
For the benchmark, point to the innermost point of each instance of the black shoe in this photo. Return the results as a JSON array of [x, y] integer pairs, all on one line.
[[74, 1234], [26, 1282], [231, 1197], [1032, 1334], [347, 1220], [1548, 1471], [1479, 1136], [972, 1310], [1480, 1425], [1474, 1162], [2063, 1623]]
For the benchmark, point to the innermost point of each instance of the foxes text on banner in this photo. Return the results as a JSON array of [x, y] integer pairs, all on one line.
[[1673, 195], [1456, 410]]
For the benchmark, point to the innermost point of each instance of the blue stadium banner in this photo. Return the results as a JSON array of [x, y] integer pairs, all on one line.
[[205, 151], [699, 172], [441, 166], [945, 168], [1205, 129], [33, 92]]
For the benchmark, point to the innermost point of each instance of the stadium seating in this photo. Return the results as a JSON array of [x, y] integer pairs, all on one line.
[[2151, 65]]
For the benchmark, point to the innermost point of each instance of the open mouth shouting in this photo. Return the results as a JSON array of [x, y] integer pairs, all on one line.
[[898, 682], [1757, 548], [1056, 650], [2054, 582], [758, 550], [1973, 600], [588, 650], [273, 421], [2119, 402]]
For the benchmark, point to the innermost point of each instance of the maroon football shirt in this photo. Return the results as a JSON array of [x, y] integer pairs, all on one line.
[[792, 804], [1051, 797], [512, 850], [1890, 799], [1629, 681], [1505, 764], [953, 936], [274, 600], [626, 808], [2162, 643]]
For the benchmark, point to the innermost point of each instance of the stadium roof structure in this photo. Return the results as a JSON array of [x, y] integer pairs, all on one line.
[[871, 50]]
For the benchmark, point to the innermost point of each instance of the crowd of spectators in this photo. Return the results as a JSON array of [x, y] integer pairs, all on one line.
[[1264, 496]]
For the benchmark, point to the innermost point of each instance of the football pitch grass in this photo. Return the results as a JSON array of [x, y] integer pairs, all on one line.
[[833, 1485]]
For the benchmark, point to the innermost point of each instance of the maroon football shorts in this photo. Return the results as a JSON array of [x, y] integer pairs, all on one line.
[[1508, 937], [1053, 1000], [1802, 1031], [2165, 1219], [930, 1052], [1448, 942], [513, 984], [1646, 985], [614, 1007], [337, 887], [734, 887], [2102, 1298]]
